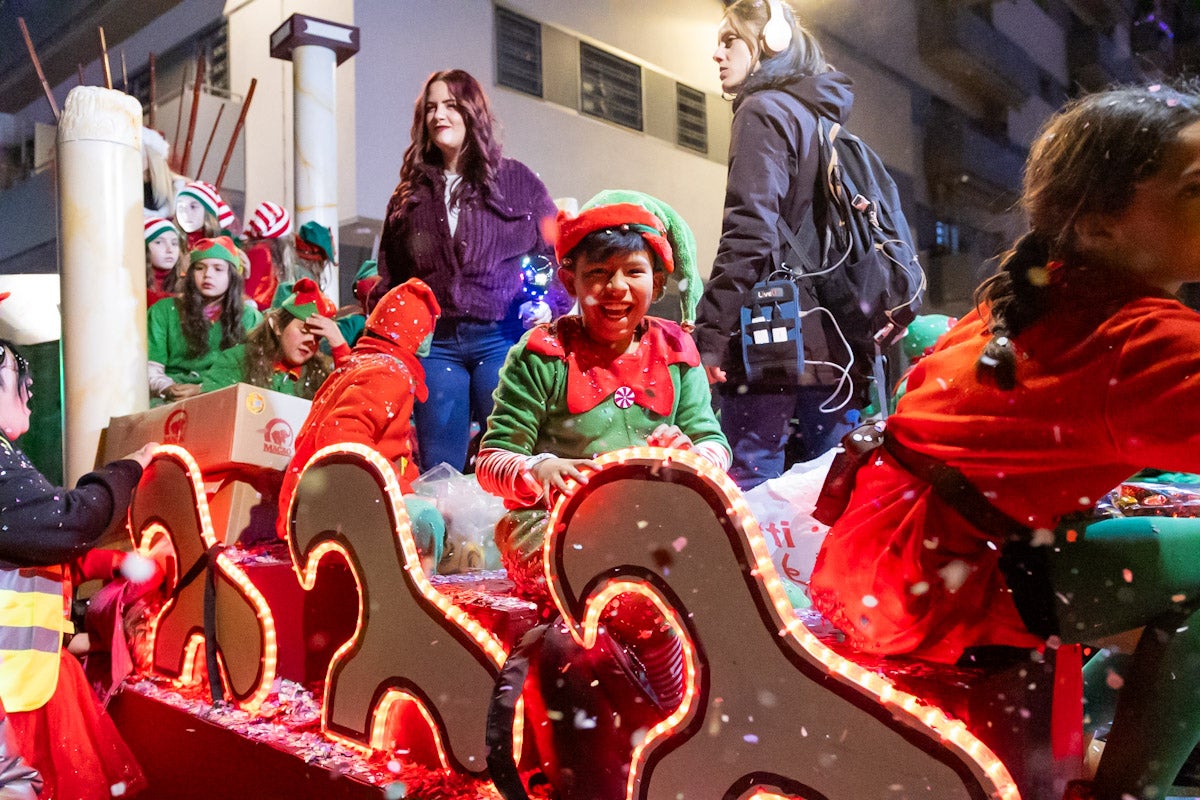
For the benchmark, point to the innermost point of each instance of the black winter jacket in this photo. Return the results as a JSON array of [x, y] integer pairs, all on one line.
[[772, 175], [42, 524]]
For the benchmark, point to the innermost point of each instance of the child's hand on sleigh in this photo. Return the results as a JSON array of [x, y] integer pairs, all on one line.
[[553, 473], [669, 436]]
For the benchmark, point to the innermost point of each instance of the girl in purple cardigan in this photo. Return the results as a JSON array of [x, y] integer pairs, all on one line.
[[463, 219]]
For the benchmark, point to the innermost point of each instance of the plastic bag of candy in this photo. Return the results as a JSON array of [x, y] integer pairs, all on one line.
[[470, 514], [1168, 494]]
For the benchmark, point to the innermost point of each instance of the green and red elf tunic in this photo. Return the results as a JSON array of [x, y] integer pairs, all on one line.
[[561, 395]]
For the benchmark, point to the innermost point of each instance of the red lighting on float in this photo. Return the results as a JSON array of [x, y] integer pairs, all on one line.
[[583, 579], [174, 504], [368, 541]]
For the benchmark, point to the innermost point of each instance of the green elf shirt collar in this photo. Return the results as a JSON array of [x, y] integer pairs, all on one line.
[[593, 376]]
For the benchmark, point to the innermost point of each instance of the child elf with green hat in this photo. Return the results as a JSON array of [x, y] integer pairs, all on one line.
[[184, 334], [607, 378], [282, 353]]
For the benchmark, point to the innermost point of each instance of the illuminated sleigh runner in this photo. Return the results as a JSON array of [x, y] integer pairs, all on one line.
[[768, 709]]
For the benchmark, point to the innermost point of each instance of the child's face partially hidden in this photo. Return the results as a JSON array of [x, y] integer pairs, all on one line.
[[164, 251], [297, 343], [614, 295]]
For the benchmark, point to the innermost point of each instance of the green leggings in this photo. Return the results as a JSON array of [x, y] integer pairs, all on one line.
[[1119, 575]]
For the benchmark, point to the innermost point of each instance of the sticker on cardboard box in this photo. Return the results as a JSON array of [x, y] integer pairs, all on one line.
[[175, 427], [255, 403]]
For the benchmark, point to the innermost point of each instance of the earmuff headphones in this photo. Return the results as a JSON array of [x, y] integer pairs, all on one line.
[[776, 33]]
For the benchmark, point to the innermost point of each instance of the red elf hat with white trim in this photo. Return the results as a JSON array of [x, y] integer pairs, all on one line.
[[269, 221]]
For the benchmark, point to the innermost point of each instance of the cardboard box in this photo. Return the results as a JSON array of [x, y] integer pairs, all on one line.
[[237, 426]]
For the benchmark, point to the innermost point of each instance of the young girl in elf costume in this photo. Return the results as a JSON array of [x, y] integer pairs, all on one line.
[[1078, 368], [184, 334], [59, 726], [268, 245], [201, 213], [164, 253], [369, 400], [282, 354]]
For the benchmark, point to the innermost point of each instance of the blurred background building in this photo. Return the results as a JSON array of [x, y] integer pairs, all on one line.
[[595, 94]]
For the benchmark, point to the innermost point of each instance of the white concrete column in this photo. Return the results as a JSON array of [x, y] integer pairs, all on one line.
[[316, 47], [315, 98], [102, 268]]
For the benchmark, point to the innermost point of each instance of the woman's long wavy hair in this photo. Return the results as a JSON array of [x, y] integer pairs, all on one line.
[[190, 305], [802, 57], [481, 153], [1087, 159], [264, 351]]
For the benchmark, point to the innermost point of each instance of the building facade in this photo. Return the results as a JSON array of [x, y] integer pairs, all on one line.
[[592, 95]]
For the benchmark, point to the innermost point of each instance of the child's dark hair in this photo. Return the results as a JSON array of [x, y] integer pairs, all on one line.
[[190, 304], [603, 244], [1087, 159], [802, 57], [264, 351]]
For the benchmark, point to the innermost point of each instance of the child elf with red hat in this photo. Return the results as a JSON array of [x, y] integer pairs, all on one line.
[[608, 378], [164, 256], [282, 353], [184, 334], [369, 397]]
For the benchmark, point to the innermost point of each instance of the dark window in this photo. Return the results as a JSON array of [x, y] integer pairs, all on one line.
[[214, 43], [691, 118], [610, 87], [518, 52]]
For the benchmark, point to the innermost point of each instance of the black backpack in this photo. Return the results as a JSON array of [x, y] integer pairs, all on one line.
[[866, 271]]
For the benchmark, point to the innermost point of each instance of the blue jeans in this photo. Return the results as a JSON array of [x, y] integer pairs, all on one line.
[[461, 371], [757, 424]]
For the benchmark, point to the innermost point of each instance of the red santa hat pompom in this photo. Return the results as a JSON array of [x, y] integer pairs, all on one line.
[[269, 221]]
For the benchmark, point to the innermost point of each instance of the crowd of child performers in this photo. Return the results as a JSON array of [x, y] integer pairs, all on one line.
[[205, 297]]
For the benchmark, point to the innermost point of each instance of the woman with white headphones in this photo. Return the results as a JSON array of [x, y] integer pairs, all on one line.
[[780, 82]]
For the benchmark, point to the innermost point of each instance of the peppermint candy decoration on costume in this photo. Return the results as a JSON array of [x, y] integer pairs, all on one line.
[[623, 397]]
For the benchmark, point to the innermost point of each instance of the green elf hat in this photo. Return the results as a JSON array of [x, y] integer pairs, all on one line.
[[307, 299], [314, 234], [221, 247], [680, 237], [365, 280]]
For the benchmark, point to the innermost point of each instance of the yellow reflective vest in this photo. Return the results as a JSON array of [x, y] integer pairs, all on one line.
[[33, 620]]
